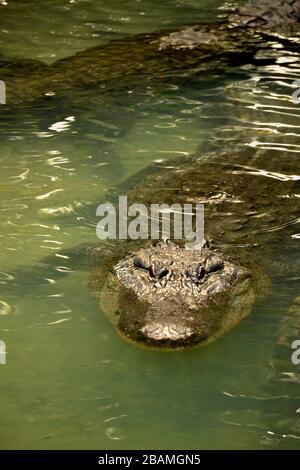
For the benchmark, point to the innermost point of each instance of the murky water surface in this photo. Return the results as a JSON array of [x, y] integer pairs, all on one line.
[[70, 381]]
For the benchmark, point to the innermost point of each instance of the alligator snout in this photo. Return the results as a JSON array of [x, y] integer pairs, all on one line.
[[166, 332], [173, 334], [169, 324], [166, 324]]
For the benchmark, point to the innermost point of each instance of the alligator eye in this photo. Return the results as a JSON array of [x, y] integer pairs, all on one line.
[[215, 267], [162, 273], [140, 263]]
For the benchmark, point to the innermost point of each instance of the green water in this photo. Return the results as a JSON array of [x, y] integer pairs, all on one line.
[[70, 381]]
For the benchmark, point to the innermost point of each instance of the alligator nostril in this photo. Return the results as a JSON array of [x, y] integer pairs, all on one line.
[[159, 332]]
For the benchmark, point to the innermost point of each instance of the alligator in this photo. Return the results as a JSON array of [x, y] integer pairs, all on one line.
[[193, 49], [165, 296], [161, 294]]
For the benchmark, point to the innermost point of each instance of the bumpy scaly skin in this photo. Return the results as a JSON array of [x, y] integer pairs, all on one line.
[[247, 25], [201, 47], [279, 16]]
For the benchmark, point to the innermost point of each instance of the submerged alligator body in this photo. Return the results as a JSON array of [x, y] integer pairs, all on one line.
[[158, 55], [166, 297], [162, 296]]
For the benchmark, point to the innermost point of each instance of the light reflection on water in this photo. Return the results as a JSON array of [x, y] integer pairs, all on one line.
[[70, 381]]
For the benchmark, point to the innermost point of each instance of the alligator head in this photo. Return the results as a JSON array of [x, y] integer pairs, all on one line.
[[167, 297]]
